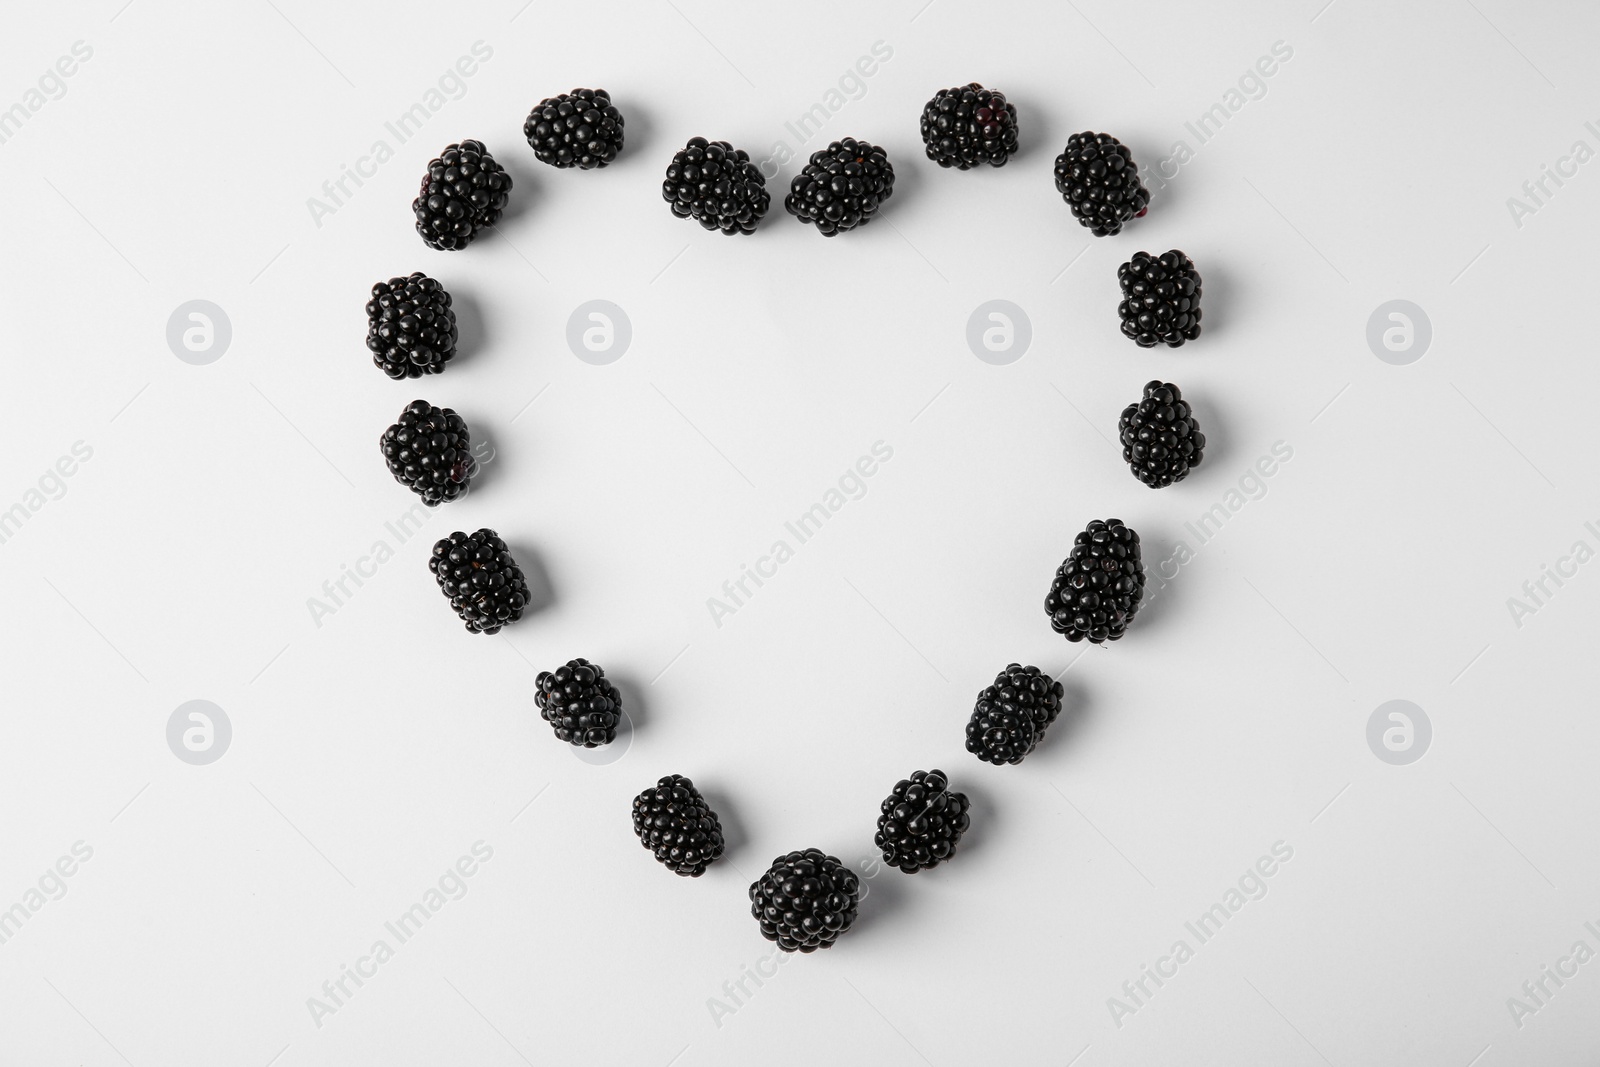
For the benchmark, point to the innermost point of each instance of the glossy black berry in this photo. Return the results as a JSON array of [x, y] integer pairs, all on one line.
[[483, 582], [1160, 299], [675, 823], [429, 452], [716, 185], [805, 900], [1098, 179], [464, 191], [841, 187], [969, 126], [922, 822], [1010, 716], [1161, 441], [577, 129], [1098, 586], [580, 704], [411, 328]]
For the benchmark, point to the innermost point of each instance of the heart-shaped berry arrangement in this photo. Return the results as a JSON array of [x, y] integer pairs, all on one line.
[[806, 899]]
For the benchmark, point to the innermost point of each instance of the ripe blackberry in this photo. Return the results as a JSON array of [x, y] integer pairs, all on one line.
[[841, 187], [1011, 715], [483, 582], [1099, 181], [580, 704], [968, 126], [805, 900], [429, 452], [716, 185], [411, 328], [576, 129], [463, 192], [1161, 441], [674, 821], [922, 822], [1098, 586], [1160, 299]]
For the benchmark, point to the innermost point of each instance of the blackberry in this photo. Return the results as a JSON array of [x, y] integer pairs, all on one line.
[[1098, 586], [716, 185], [1160, 299], [483, 582], [673, 821], [805, 900], [1097, 178], [411, 328], [429, 452], [1011, 715], [922, 822], [463, 192], [842, 187], [576, 129], [580, 704], [968, 126], [1161, 441]]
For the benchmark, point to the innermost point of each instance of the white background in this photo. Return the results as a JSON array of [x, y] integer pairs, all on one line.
[[371, 751]]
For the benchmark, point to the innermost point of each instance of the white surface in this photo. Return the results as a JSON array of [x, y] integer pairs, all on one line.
[[371, 752]]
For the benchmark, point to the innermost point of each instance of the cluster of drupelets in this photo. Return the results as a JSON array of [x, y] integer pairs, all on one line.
[[807, 898]]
